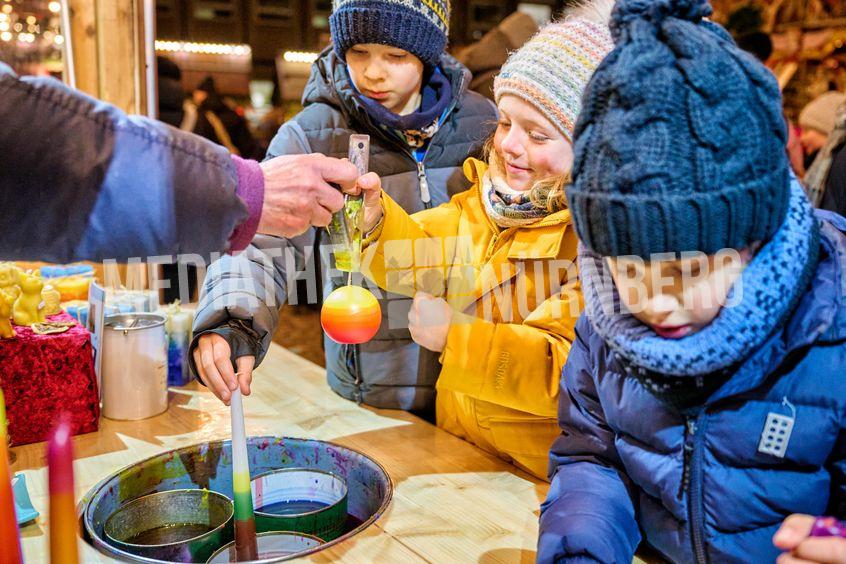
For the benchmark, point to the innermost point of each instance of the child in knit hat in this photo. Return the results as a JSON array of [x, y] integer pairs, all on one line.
[[387, 76], [492, 272], [704, 401]]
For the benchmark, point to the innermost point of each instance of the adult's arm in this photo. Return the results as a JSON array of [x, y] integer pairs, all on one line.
[[80, 179]]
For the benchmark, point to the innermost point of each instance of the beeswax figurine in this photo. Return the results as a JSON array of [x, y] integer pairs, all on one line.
[[6, 330], [51, 298], [27, 309], [9, 275]]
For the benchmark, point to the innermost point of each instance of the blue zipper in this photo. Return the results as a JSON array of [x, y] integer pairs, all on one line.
[[694, 445]]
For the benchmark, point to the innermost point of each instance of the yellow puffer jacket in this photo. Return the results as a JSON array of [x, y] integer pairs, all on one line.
[[516, 298]]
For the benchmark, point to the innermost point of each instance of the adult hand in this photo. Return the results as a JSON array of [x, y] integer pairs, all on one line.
[[215, 367], [371, 186], [428, 321], [800, 548], [298, 193]]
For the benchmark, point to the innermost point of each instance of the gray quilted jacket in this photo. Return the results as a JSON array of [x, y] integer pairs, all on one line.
[[242, 294]]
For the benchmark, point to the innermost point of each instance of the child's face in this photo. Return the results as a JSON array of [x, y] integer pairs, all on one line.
[[677, 298], [530, 147], [813, 140], [388, 75]]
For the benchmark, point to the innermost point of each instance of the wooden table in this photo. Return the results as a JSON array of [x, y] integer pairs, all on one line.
[[452, 502]]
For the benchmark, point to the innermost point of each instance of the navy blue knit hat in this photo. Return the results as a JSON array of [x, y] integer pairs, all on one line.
[[680, 145], [420, 27]]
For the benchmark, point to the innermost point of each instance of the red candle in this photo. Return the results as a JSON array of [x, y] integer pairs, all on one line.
[[63, 522], [9, 538]]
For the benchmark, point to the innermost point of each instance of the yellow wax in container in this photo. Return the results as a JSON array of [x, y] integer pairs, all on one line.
[[72, 287]]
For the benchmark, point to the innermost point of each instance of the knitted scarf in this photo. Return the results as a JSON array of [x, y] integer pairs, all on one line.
[[507, 207], [417, 127], [818, 172], [771, 286]]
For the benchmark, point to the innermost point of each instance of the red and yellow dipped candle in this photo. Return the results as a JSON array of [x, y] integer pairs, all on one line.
[[351, 315], [63, 522], [10, 540]]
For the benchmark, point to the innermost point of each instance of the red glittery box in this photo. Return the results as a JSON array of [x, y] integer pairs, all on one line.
[[43, 375]]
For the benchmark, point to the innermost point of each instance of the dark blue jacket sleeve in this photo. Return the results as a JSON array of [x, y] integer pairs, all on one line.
[[79, 179], [588, 515]]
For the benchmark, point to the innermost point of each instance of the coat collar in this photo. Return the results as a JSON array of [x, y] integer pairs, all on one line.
[[820, 316]]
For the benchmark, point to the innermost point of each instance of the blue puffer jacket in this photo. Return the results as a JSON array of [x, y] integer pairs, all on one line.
[[699, 490]]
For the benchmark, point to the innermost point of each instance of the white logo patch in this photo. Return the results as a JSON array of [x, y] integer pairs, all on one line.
[[777, 431]]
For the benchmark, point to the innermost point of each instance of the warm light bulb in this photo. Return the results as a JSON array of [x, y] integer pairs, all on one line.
[[54, 7]]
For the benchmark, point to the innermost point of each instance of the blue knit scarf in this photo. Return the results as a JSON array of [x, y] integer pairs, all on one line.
[[419, 126], [772, 284]]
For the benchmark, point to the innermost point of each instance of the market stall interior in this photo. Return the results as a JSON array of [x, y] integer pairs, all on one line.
[[114, 452]]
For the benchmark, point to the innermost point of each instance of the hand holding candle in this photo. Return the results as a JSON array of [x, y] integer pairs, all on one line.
[[9, 539], [63, 521]]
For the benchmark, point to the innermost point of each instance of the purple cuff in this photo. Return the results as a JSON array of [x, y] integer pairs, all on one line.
[[828, 527], [251, 191]]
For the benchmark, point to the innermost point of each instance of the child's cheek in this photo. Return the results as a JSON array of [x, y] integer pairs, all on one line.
[[545, 163], [703, 303]]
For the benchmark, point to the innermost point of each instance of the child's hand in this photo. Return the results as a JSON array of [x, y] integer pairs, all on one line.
[[371, 186], [800, 548], [429, 320], [215, 368]]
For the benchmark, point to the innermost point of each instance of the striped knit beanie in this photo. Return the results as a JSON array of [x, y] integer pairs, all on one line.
[[680, 144], [420, 27], [550, 72]]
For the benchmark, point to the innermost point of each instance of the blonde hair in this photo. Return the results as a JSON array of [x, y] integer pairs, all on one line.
[[596, 11], [548, 194]]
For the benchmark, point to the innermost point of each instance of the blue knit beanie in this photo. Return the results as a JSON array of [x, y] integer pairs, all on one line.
[[680, 145], [420, 27]]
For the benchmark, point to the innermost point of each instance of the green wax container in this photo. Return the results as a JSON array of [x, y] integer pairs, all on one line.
[[302, 500], [175, 525]]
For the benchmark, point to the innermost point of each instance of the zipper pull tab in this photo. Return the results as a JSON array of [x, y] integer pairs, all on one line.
[[690, 427], [424, 184]]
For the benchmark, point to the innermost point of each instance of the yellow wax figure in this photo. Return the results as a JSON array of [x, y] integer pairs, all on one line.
[[28, 308], [6, 330], [9, 276], [52, 299]]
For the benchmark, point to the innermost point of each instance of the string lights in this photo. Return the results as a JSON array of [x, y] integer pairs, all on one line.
[[202, 48]]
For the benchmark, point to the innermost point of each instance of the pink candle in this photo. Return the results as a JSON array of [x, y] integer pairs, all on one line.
[[9, 538], [63, 522]]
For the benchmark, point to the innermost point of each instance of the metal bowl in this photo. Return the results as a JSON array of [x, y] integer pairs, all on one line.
[[302, 500], [209, 465], [175, 525]]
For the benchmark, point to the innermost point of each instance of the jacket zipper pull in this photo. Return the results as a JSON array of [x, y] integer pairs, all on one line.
[[424, 185], [690, 427]]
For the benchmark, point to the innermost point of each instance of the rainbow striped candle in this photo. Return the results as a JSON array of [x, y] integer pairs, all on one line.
[[245, 522], [63, 523], [9, 538]]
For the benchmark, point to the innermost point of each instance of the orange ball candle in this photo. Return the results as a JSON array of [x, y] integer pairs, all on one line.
[[351, 315]]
